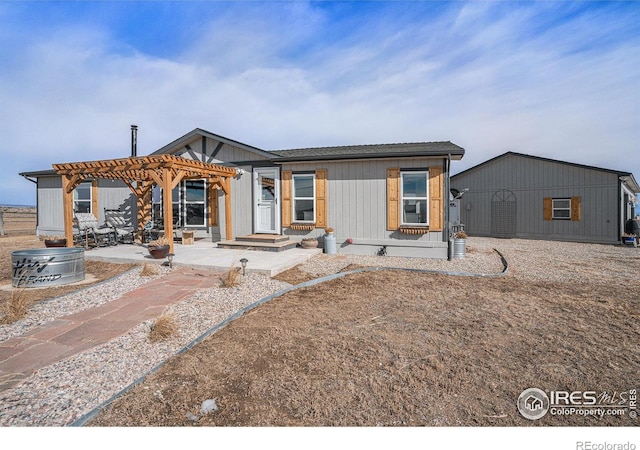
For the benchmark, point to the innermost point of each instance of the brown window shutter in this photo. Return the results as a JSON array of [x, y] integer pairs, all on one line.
[[547, 208], [575, 209], [321, 198], [286, 198], [94, 199], [393, 199], [436, 211]]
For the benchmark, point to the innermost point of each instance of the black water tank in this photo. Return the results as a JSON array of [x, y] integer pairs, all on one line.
[[632, 227]]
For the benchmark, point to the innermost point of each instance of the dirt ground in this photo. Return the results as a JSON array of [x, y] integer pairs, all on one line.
[[98, 271], [395, 348]]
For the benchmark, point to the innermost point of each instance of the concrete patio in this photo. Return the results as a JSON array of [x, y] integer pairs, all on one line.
[[205, 255]]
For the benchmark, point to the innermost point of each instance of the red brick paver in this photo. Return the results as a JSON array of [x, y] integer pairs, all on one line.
[[67, 336]]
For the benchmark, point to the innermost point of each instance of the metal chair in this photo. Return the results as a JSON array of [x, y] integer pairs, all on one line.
[[88, 229], [114, 219]]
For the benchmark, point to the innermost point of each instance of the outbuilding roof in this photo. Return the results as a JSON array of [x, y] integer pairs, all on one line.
[[627, 177]]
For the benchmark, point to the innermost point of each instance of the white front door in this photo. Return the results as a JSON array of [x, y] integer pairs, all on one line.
[[266, 217]]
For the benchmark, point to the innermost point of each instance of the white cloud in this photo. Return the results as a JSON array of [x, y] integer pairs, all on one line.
[[473, 74]]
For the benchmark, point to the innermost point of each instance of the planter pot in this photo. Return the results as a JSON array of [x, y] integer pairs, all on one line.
[[55, 243], [159, 252], [309, 243]]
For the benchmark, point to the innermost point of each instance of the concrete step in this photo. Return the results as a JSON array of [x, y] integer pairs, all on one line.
[[269, 238], [262, 246]]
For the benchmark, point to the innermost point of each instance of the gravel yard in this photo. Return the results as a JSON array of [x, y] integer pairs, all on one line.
[[61, 393]]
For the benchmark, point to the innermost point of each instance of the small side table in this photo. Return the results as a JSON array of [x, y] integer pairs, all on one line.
[[187, 237]]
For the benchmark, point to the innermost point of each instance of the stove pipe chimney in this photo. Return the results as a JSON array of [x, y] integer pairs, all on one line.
[[134, 141]]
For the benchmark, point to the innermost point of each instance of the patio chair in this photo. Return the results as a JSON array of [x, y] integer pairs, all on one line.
[[114, 219], [151, 231], [88, 229]]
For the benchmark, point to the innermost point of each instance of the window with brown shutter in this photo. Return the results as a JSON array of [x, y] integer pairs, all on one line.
[[304, 200], [562, 208], [405, 209]]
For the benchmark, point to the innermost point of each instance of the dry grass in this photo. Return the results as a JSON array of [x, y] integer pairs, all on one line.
[[164, 327], [231, 278], [149, 270], [16, 307], [294, 276], [401, 349]]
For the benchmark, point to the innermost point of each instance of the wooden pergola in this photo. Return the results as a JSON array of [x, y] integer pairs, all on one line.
[[140, 173]]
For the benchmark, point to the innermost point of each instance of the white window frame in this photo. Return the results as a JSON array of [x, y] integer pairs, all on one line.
[[554, 208], [90, 200], [403, 198], [295, 199], [184, 202], [181, 202]]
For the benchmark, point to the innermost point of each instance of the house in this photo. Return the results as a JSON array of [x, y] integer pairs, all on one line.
[[524, 196], [386, 196]]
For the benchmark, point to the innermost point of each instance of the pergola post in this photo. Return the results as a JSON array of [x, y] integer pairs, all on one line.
[[167, 197], [228, 222], [67, 207]]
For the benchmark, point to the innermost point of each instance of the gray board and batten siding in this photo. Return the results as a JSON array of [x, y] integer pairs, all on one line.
[[111, 195], [357, 208], [356, 186], [506, 197]]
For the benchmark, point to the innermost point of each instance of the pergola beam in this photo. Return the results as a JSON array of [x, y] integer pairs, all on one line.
[[139, 174]]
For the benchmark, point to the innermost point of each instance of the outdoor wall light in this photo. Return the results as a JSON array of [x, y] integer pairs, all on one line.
[[170, 258], [244, 262]]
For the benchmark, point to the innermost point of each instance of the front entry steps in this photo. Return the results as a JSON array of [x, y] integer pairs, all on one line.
[[263, 242]]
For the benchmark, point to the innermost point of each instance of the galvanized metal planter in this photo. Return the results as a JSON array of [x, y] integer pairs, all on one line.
[[459, 248], [46, 267]]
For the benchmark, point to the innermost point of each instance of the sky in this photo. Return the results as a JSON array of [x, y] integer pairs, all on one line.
[[557, 79]]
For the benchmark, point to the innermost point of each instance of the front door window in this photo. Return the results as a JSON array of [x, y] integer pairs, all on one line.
[[267, 212]]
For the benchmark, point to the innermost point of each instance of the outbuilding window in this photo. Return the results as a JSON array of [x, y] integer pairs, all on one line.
[[414, 194], [561, 208]]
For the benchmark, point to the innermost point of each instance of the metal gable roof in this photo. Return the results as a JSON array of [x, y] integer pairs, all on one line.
[[193, 136], [370, 151], [629, 176]]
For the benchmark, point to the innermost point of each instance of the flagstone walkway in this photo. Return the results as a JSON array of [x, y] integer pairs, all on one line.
[[75, 333]]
